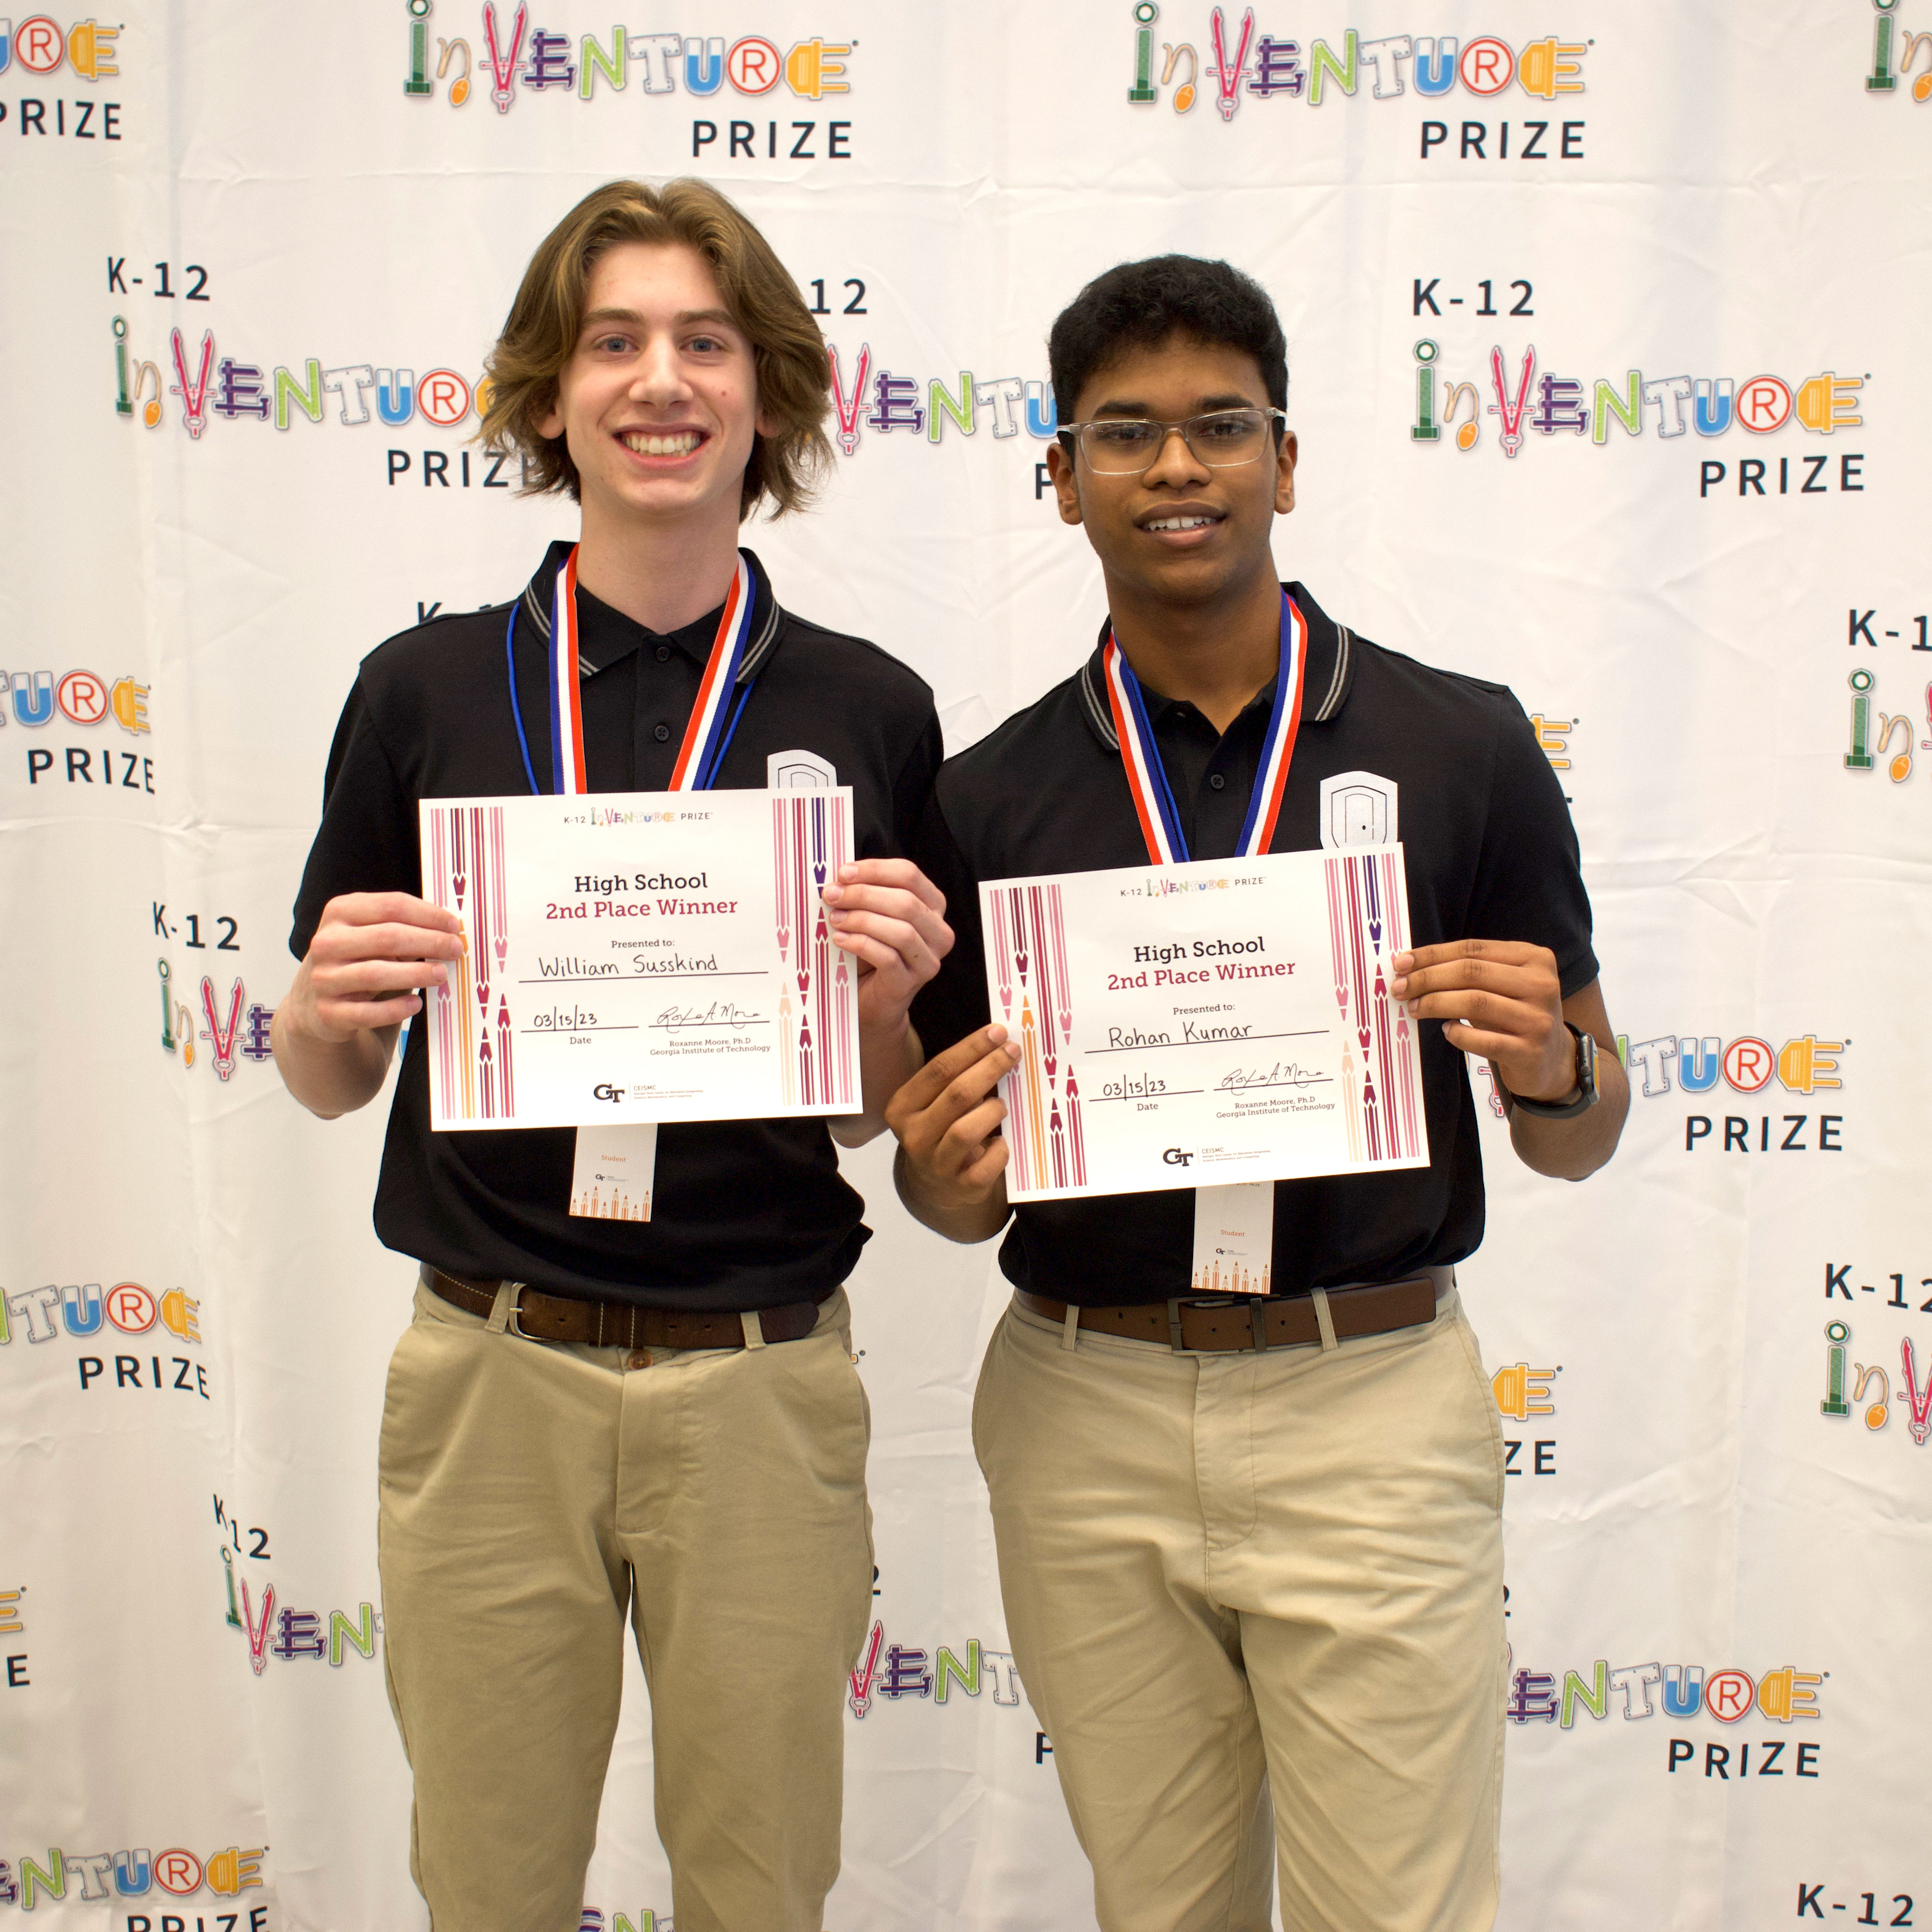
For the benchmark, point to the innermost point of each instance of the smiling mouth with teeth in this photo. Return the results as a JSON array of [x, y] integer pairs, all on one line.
[[643, 443], [1180, 522]]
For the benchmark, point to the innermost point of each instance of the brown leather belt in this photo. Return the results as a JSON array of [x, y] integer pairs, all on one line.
[[1213, 1325], [537, 1317]]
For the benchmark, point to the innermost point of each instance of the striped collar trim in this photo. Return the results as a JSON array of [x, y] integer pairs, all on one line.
[[536, 599], [1100, 713]]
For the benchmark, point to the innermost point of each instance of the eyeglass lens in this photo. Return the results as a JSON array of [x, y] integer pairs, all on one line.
[[1220, 439]]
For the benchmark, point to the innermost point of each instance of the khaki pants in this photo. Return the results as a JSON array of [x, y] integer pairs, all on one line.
[[531, 1492], [1236, 1583]]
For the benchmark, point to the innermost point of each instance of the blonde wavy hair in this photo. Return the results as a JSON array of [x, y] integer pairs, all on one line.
[[540, 334]]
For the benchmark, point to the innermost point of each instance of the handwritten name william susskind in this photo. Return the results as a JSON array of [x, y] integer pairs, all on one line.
[[610, 906]]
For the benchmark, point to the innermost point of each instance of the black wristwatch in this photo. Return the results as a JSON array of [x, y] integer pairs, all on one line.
[[1584, 1097]]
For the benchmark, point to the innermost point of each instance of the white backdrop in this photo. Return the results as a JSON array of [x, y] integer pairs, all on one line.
[[1717, 1579]]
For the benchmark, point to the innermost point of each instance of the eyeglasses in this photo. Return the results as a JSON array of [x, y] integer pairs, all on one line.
[[1128, 446]]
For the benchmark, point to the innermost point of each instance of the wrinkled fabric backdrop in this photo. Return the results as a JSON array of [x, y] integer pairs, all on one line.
[[1602, 323]]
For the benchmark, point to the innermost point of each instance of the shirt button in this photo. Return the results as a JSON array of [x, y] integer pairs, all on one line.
[[1215, 779], [664, 653], [662, 732], [638, 1358]]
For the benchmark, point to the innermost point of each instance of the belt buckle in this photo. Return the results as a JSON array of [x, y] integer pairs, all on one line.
[[1177, 1303], [514, 1324]]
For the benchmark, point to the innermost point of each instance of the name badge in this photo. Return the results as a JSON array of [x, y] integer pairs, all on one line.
[[610, 1179], [1234, 1238]]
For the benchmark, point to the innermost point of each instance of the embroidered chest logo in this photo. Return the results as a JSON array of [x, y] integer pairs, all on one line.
[[1358, 809]]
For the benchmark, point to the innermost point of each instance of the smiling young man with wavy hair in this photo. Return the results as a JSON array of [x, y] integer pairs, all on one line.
[[589, 1418]]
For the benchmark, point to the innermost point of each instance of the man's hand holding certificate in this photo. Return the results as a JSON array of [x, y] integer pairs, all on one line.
[[1204, 1024], [640, 957]]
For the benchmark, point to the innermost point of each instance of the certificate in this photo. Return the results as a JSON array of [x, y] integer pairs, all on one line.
[[639, 956], [1204, 1024]]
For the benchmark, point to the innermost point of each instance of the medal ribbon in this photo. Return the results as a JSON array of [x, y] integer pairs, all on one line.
[[709, 727], [1147, 776]]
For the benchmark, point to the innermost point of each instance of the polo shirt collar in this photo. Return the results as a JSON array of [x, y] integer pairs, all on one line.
[[1325, 684], [766, 615]]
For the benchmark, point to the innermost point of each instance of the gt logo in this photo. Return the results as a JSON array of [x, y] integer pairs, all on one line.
[[1175, 1157], [603, 1091]]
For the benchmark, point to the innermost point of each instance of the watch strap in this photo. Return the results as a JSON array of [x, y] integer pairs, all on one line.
[[1585, 1096]]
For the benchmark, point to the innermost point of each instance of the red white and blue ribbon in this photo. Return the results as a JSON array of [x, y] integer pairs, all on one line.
[[1147, 777], [710, 727]]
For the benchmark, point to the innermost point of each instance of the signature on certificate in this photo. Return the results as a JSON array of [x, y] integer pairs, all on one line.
[[1281, 1073], [717, 1013]]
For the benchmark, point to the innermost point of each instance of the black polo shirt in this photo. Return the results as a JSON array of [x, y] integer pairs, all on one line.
[[745, 1213], [1490, 854]]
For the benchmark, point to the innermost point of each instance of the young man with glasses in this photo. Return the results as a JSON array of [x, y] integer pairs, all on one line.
[[1252, 1547], [591, 1418]]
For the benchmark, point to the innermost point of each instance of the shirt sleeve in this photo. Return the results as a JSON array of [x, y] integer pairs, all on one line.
[[1529, 876], [912, 790], [954, 1001], [367, 841]]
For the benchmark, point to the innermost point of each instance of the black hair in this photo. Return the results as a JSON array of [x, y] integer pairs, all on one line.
[[1139, 304]]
